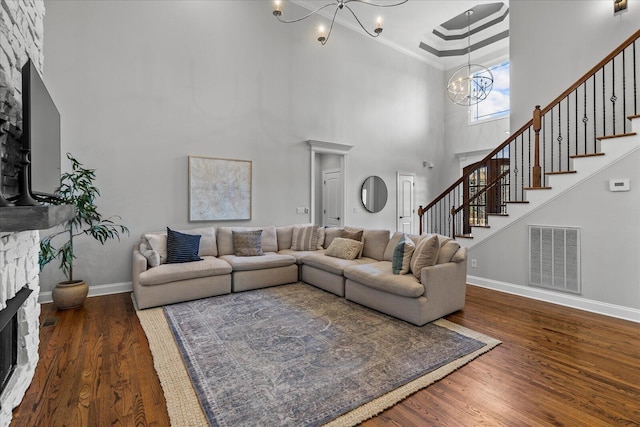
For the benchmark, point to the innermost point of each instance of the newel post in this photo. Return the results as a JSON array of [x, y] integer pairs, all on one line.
[[536, 172], [420, 213]]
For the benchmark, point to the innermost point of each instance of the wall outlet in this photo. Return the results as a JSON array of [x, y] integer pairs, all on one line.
[[355, 210], [301, 211], [474, 263]]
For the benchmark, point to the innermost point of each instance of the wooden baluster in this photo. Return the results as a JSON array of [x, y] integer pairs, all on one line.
[[453, 222], [536, 172]]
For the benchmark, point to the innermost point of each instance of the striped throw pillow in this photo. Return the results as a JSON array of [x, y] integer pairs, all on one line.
[[305, 238], [401, 261], [182, 247]]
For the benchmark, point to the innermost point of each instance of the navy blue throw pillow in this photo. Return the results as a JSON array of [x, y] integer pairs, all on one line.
[[182, 247]]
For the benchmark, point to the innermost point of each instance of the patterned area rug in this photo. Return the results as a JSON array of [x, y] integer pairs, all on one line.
[[296, 355]]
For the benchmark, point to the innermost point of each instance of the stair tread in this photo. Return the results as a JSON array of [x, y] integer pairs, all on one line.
[[537, 188], [497, 214], [560, 172], [578, 156], [517, 201], [481, 226], [635, 116], [620, 135], [463, 236]]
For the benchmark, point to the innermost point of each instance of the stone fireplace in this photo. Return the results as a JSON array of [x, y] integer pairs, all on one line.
[[19, 270], [21, 36]]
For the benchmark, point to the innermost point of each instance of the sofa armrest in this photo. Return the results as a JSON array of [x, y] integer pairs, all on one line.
[[138, 266], [445, 286]]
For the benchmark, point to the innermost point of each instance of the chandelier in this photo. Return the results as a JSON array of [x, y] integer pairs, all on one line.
[[339, 5], [471, 83]]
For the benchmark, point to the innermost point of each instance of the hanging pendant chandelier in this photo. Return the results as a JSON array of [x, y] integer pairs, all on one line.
[[323, 37], [471, 83]]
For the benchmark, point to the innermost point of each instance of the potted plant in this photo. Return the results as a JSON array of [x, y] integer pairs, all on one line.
[[77, 189]]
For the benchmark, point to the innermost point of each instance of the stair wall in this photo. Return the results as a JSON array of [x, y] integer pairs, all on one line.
[[610, 262]]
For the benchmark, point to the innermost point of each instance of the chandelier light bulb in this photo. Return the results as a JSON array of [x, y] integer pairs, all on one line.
[[277, 11], [321, 38], [378, 29]]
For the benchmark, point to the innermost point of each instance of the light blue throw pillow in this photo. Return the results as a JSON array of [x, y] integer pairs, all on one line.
[[402, 255]]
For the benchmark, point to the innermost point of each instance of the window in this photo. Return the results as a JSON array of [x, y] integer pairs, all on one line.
[[497, 103]]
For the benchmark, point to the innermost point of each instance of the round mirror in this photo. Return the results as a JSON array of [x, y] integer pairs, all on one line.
[[374, 194]]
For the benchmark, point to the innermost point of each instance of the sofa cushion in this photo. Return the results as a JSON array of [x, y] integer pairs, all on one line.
[[401, 263], [158, 242], [425, 255], [378, 275], [344, 248], [182, 247], [247, 243], [352, 234], [447, 251], [268, 260], [331, 264], [460, 255], [304, 237], [330, 234], [298, 255], [375, 243], [224, 238], [393, 242], [153, 257], [166, 273], [321, 236], [284, 235], [208, 245]]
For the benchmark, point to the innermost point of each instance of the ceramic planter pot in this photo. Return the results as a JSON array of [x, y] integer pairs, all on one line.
[[68, 295]]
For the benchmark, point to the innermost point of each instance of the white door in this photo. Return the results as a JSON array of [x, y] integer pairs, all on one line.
[[332, 198], [405, 185]]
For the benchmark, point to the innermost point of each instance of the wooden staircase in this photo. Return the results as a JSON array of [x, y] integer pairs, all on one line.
[[613, 148], [590, 126]]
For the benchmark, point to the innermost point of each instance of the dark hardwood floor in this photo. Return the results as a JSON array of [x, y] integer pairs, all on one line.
[[555, 366]]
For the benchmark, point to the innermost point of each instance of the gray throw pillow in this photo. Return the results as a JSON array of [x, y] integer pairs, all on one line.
[[247, 243]]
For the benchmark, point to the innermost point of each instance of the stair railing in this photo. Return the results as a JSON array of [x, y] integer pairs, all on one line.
[[595, 107]]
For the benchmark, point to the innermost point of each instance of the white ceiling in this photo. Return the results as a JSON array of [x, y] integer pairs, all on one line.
[[409, 24]]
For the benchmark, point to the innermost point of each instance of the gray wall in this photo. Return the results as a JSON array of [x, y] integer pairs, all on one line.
[[549, 52], [141, 85], [554, 43], [609, 226]]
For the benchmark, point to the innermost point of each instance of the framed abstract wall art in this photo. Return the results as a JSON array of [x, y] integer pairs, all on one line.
[[219, 189]]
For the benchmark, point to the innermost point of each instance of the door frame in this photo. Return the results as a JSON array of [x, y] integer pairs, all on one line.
[[322, 147]]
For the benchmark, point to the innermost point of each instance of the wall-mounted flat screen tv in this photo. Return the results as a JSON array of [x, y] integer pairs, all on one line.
[[40, 134]]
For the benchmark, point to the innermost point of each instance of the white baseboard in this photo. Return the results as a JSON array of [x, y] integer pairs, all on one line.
[[94, 291], [572, 301]]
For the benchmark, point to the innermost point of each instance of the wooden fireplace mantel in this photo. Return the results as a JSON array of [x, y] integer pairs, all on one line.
[[22, 218]]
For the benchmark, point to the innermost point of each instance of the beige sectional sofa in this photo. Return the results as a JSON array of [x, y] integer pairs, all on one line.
[[367, 280], [440, 290]]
